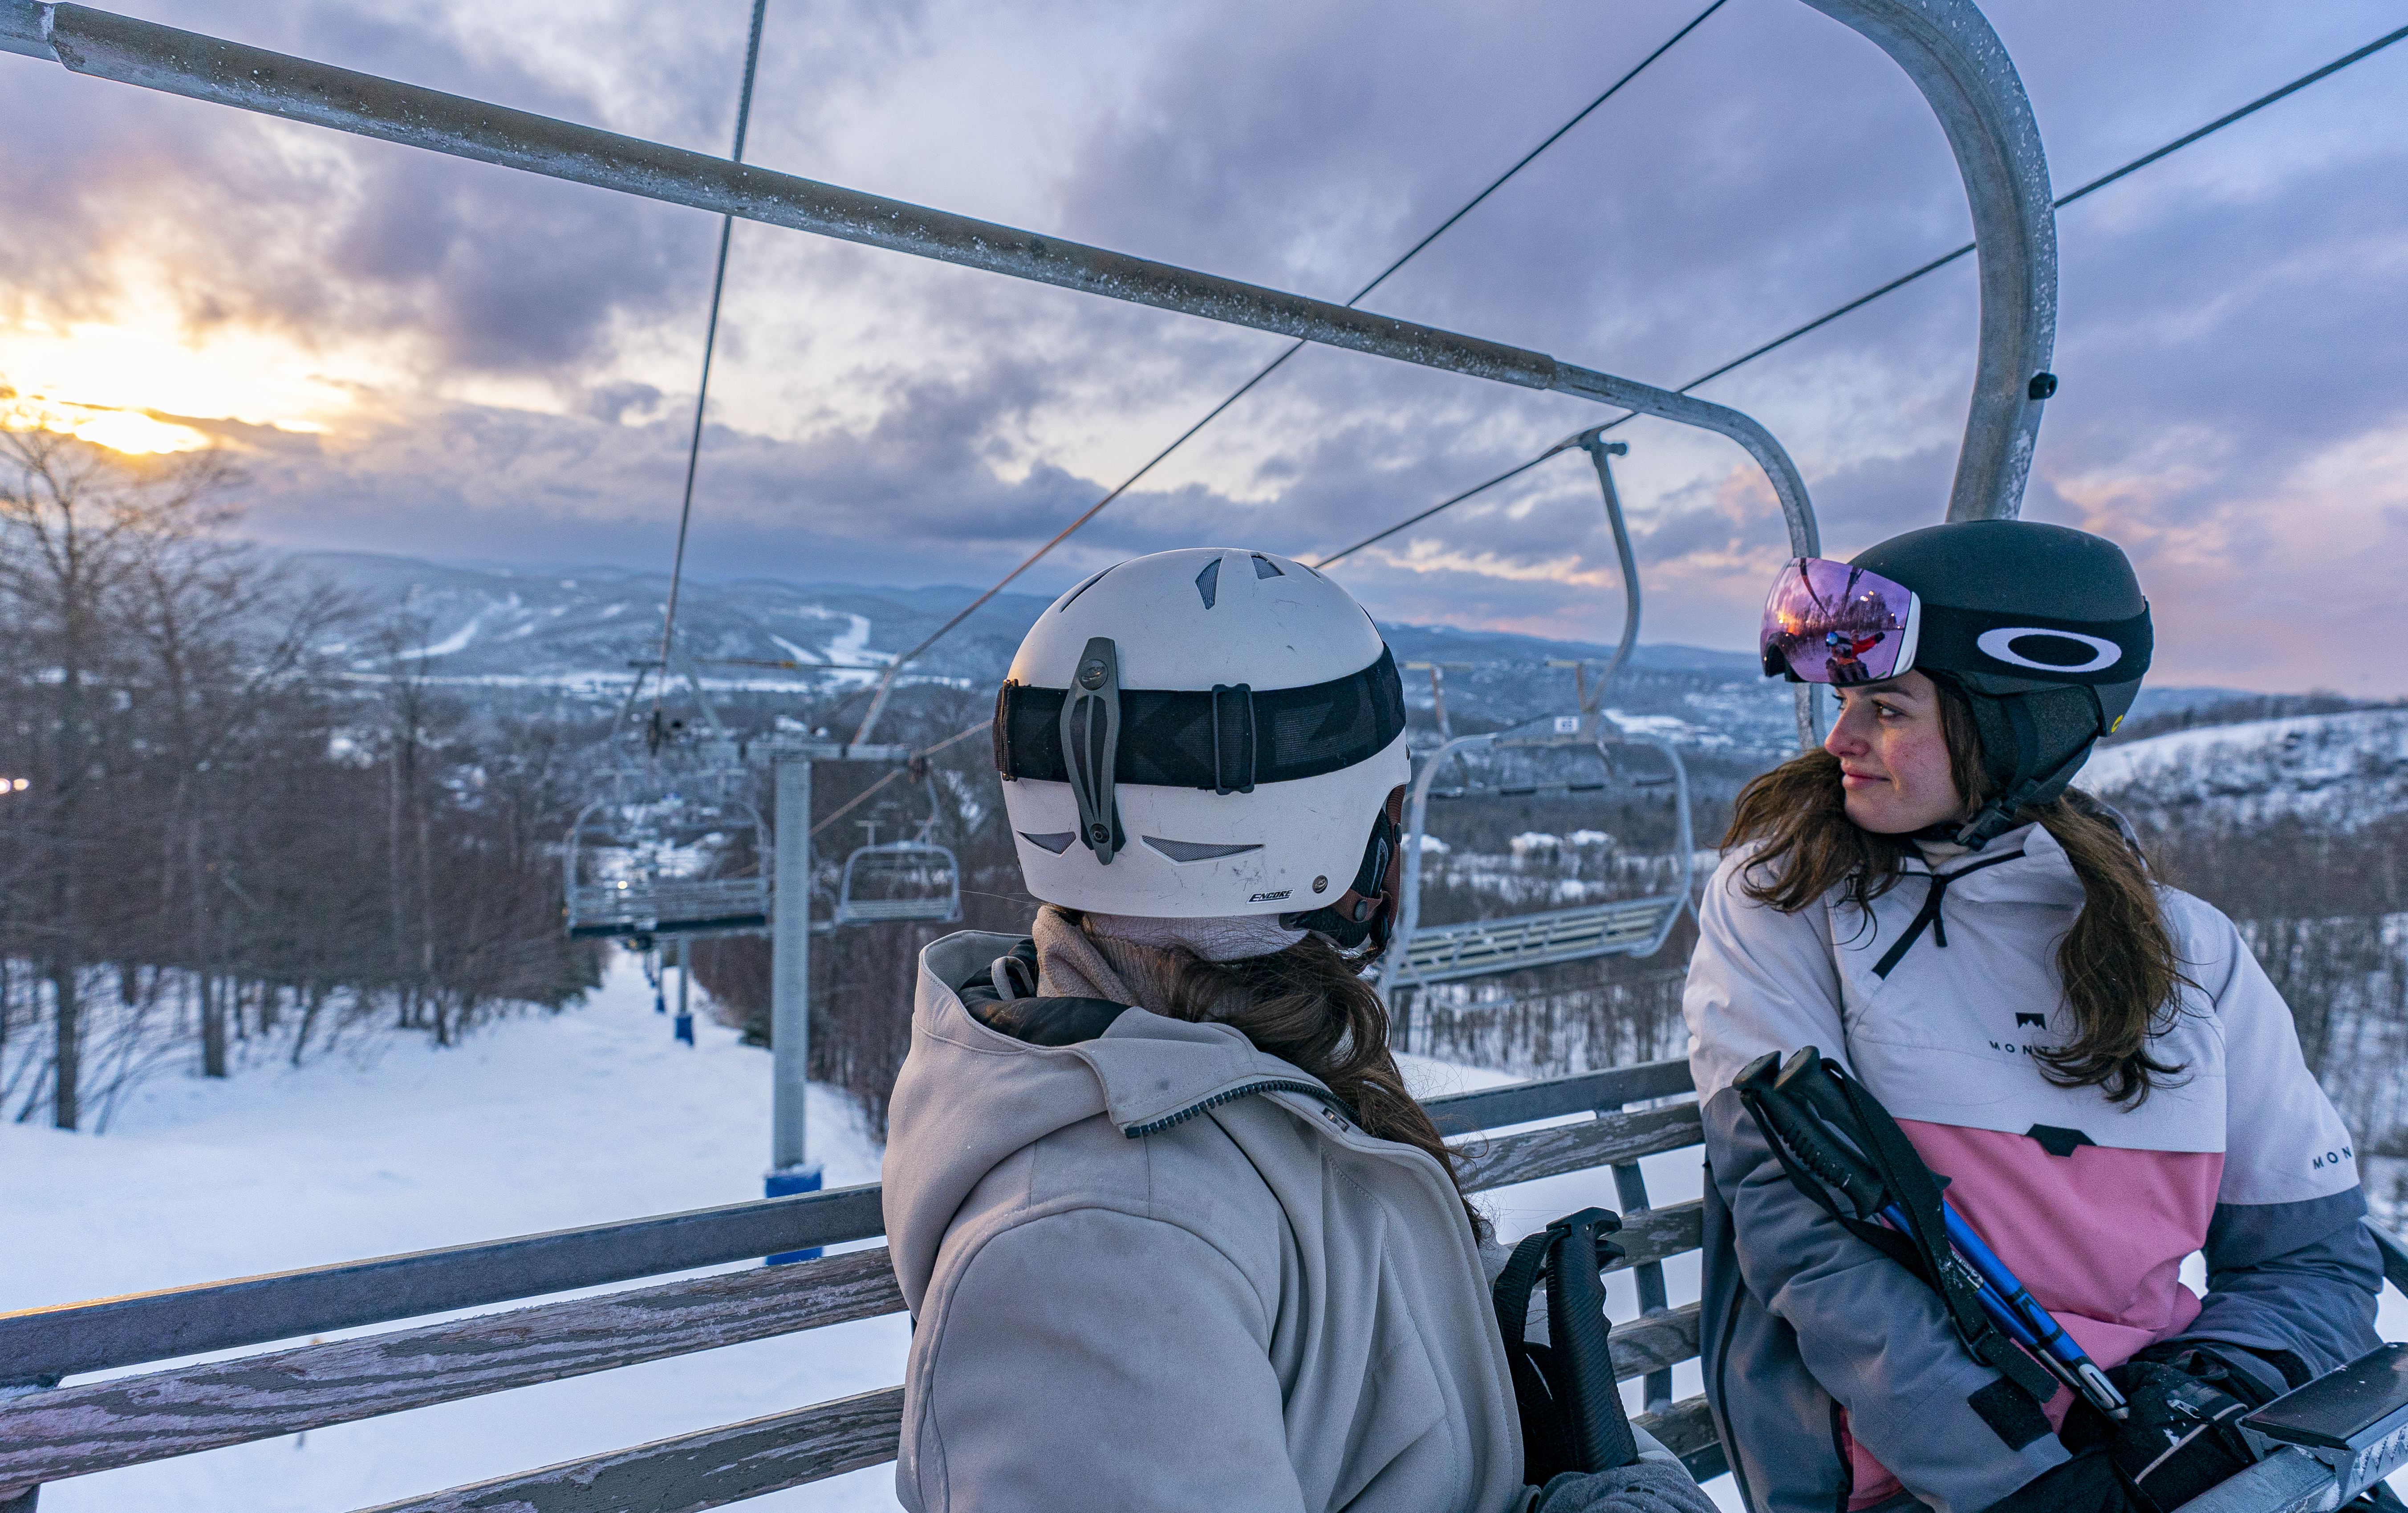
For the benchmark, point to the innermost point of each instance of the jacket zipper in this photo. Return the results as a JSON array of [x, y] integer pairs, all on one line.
[[1268, 1084]]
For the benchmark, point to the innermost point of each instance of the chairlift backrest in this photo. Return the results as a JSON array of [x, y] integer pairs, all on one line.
[[630, 862], [899, 882], [1633, 927]]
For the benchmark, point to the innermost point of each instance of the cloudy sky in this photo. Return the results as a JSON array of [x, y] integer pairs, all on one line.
[[415, 354]]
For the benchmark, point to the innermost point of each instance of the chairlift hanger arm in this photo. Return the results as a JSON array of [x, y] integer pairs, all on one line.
[[104, 45], [1957, 60]]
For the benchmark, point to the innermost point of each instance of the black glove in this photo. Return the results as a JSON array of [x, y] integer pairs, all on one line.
[[2089, 1483], [2181, 1437]]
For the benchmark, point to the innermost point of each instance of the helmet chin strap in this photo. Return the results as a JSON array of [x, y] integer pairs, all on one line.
[[1998, 816]]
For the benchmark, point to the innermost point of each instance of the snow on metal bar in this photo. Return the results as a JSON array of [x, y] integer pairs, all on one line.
[[1450, 953]]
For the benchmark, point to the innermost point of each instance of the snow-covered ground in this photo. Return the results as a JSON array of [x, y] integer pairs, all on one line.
[[2338, 769], [539, 1123]]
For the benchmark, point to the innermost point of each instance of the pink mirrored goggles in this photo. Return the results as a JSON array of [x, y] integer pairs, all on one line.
[[1827, 622]]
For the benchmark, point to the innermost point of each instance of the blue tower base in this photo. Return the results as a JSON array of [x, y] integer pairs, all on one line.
[[786, 1184]]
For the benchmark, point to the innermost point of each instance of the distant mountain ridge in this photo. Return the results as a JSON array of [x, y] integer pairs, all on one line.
[[582, 629]]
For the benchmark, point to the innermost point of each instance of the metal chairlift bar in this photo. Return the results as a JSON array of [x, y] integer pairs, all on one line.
[[43, 1344], [104, 45], [1948, 48]]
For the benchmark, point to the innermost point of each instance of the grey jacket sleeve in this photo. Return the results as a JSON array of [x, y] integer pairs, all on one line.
[[1067, 1377], [1652, 1486], [2292, 1276], [1876, 1338], [2294, 1283]]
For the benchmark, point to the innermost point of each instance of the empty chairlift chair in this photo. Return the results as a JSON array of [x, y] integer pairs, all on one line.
[[1480, 948], [1629, 927], [638, 859], [900, 882]]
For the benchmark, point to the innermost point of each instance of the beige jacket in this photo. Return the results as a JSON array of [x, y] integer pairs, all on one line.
[[1159, 1270]]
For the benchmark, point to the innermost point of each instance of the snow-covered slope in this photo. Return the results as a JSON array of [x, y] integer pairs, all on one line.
[[2335, 769], [539, 1123]]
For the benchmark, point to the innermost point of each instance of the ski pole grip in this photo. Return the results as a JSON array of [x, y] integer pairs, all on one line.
[[1814, 1148], [1576, 1325]]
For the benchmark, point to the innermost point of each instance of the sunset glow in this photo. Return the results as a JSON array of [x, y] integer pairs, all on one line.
[[126, 383]]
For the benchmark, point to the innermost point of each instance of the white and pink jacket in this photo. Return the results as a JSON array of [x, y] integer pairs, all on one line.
[[1834, 1374]]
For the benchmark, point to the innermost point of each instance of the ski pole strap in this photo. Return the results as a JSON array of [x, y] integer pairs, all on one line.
[[1918, 1192], [2010, 1406]]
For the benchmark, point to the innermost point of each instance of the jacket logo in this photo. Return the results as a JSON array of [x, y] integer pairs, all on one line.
[[2038, 1021], [1270, 898], [2330, 1158]]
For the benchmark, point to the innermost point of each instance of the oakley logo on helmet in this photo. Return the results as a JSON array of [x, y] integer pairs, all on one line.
[[2058, 650]]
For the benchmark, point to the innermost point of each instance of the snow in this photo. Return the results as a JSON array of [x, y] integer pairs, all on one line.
[[591, 1115], [2345, 769], [543, 1122]]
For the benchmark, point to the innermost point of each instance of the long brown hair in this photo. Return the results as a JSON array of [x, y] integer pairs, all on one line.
[[1310, 1006], [2123, 979]]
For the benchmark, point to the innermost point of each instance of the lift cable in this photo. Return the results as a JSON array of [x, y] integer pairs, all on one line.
[[702, 394], [885, 684], [858, 798], [1903, 280]]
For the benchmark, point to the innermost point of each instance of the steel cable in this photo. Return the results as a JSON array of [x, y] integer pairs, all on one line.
[[702, 394], [1903, 280], [885, 684]]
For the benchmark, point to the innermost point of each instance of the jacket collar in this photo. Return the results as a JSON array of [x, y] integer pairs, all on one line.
[[2025, 865], [969, 1097]]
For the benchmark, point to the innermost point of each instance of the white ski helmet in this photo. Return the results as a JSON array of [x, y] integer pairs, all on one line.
[[1203, 733]]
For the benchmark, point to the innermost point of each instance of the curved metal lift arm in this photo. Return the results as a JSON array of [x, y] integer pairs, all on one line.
[[1946, 46], [104, 45]]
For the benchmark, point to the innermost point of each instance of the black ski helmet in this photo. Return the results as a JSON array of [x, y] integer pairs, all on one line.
[[2044, 630]]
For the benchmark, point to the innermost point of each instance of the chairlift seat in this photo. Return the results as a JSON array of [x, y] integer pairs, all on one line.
[[1486, 947], [646, 812], [899, 882], [669, 906]]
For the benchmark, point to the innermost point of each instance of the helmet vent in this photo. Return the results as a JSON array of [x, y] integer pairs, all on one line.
[[1193, 850], [1084, 588], [1207, 582], [1266, 568], [1057, 842]]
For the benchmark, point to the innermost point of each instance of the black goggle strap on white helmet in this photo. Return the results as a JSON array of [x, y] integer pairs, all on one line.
[[1098, 734], [1089, 729], [1366, 911]]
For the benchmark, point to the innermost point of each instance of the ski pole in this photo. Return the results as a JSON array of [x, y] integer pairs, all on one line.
[[1999, 1288], [2051, 1336]]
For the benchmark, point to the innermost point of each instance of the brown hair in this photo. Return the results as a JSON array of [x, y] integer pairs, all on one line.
[[1310, 1006], [2122, 976]]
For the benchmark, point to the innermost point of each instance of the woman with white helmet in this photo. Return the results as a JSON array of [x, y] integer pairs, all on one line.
[[1172, 1233], [2092, 1062]]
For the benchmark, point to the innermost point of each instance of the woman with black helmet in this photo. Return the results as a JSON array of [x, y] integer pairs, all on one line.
[[2092, 1062], [1172, 1233]]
